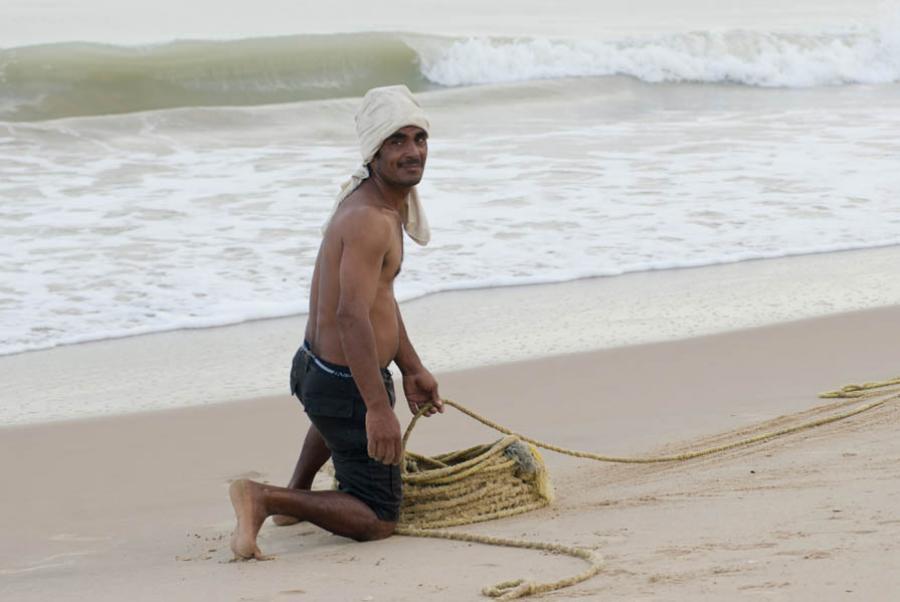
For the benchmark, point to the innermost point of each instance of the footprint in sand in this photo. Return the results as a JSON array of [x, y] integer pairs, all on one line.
[[50, 562], [78, 538], [250, 474], [765, 586]]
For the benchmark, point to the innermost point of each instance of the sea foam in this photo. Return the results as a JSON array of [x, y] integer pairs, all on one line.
[[740, 57], [113, 226]]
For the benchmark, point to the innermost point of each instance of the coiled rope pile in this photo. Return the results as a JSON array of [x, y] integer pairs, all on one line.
[[508, 477]]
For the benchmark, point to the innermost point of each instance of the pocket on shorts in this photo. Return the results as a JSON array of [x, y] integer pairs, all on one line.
[[384, 490], [298, 371]]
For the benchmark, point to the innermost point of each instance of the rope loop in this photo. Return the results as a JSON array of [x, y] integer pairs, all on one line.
[[504, 588]]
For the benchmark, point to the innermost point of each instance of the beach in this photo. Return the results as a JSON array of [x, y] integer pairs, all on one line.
[[136, 505], [656, 227]]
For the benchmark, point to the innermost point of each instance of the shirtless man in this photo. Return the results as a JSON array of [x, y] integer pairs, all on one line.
[[354, 332]]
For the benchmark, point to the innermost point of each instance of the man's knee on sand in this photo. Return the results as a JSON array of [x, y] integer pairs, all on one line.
[[376, 529]]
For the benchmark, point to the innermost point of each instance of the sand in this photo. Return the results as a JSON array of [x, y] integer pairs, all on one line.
[[136, 507]]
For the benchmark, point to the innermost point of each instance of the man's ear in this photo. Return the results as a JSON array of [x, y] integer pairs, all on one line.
[[371, 164]]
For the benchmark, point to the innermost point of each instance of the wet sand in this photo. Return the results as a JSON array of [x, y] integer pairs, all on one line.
[[451, 331]]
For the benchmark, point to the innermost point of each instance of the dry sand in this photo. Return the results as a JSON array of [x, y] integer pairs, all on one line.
[[134, 507]]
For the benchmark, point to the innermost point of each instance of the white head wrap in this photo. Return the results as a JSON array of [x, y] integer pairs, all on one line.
[[384, 111]]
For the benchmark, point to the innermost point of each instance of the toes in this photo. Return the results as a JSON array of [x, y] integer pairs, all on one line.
[[255, 554]]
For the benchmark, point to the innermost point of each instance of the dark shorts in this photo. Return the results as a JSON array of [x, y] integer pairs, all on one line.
[[336, 408]]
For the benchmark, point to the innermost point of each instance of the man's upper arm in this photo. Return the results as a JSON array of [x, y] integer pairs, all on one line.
[[366, 239]]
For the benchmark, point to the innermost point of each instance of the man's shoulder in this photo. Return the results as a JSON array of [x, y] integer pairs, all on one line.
[[356, 220], [352, 213]]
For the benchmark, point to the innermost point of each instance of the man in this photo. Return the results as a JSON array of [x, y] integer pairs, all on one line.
[[354, 332]]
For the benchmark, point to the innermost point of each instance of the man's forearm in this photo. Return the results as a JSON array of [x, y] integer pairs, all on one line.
[[358, 343], [407, 359]]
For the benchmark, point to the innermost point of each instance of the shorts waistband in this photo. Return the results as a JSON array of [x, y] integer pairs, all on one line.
[[335, 369]]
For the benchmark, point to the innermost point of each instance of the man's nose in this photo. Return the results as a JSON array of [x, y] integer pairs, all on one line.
[[411, 150]]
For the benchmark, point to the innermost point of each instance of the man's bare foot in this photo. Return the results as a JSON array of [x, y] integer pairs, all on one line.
[[283, 520], [250, 517]]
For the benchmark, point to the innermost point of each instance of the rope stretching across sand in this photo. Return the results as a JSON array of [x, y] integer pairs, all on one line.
[[509, 590]]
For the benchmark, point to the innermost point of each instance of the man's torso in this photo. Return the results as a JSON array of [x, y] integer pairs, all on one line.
[[322, 332]]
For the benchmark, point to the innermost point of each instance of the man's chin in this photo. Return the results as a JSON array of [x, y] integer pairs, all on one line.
[[410, 182]]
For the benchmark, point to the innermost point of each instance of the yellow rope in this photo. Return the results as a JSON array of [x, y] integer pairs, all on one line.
[[461, 478], [850, 391], [509, 590], [690, 455]]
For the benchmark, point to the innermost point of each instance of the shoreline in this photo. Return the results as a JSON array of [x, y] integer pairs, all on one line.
[[888, 314], [452, 331], [473, 289]]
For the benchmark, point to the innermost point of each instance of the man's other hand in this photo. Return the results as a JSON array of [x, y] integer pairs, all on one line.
[[420, 389], [383, 432]]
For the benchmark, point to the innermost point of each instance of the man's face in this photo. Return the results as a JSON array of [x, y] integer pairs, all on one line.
[[401, 159]]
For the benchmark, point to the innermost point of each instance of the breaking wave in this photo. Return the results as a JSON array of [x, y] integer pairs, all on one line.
[[70, 79]]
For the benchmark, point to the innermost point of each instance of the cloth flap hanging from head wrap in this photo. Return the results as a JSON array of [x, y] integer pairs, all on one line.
[[384, 111]]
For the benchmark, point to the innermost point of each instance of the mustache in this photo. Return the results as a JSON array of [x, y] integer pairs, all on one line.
[[411, 163]]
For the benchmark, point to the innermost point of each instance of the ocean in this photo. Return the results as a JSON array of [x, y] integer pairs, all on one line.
[[166, 166]]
